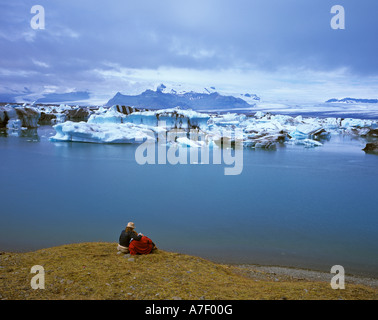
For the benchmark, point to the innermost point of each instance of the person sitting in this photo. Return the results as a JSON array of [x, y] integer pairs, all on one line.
[[143, 246], [127, 236], [134, 243]]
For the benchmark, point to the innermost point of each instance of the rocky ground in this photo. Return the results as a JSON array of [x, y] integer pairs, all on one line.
[[273, 272]]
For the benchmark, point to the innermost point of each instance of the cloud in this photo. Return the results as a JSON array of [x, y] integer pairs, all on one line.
[[97, 46], [40, 64]]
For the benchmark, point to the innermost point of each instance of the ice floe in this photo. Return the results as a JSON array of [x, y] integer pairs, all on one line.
[[263, 130], [120, 124], [101, 133]]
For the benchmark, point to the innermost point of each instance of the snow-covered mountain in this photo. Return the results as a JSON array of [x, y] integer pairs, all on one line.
[[352, 100], [163, 98]]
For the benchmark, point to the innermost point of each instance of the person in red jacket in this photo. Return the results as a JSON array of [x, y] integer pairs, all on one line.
[[143, 246]]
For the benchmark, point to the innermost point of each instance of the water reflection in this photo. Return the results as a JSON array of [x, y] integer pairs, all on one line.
[[30, 133]]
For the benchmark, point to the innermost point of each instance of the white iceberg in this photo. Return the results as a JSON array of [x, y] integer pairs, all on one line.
[[307, 143], [187, 142], [14, 125], [304, 131], [357, 123], [102, 133], [173, 118], [107, 116], [264, 130]]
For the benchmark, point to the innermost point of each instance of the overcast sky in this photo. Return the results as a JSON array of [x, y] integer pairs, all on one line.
[[278, 49]]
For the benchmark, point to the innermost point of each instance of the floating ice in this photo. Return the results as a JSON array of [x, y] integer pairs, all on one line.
[[360, 123], [109, 116], [186, 142], [264, 130], [308, 143], [14, 124], [173, 118], [102, 133]]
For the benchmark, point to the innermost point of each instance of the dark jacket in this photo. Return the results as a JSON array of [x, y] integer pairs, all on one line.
[[126, 237]]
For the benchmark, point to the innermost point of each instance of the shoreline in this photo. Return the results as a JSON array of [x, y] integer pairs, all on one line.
[[284, 271], [273, 270], [95, 270], [294, 273]]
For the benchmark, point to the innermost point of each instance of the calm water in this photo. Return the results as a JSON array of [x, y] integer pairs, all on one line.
[[311, 208]]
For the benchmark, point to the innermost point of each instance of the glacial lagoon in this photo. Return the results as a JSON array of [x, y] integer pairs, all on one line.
[[293, 206]]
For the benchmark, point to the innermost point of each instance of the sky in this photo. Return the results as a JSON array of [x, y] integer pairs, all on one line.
[[281, 50]]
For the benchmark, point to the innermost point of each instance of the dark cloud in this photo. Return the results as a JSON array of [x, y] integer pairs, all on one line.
[[264, 35]]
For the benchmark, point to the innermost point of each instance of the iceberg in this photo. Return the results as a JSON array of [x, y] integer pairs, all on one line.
[[186, 142], [106, 117], [173, 118], [307, 143], [264, 141], [263, 130], [29, 116], [331, 123], [14, 125], [7, 113], [112, 126], [228, 119], [357, 123], [102, 133], [305, 131]]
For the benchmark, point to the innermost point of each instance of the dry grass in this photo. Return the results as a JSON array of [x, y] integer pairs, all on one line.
[[96, 271]]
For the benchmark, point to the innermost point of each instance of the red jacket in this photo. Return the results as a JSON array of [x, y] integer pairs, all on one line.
[[143, 246]]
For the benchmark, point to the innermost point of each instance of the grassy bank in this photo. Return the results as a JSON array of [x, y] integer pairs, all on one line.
[[96, 271]]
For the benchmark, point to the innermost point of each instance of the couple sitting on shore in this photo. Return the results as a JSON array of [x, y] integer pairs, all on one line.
[[134, 243]]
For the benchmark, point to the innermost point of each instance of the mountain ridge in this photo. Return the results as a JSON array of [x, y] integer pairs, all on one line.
[[352, 100], [192, 100]]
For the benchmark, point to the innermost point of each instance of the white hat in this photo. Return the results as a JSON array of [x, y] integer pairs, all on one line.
[[131, 225]]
